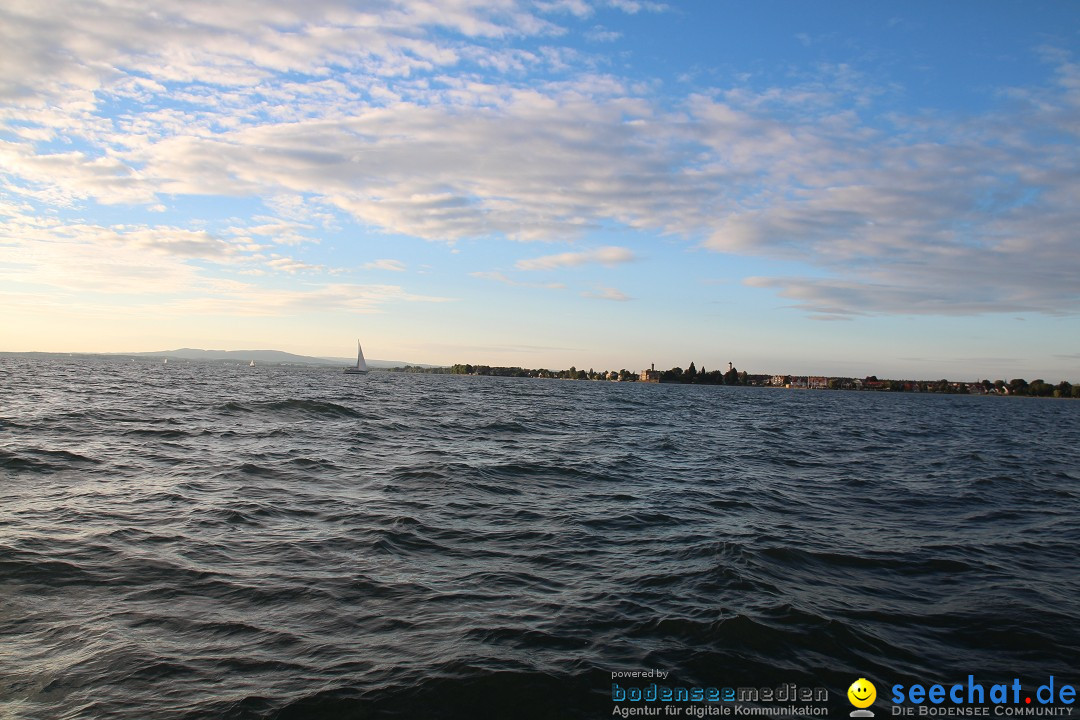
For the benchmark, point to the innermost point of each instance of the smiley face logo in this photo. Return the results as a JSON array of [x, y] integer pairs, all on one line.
[[862, 693]]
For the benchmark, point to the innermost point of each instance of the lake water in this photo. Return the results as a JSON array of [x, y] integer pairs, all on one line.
[[205, 541]]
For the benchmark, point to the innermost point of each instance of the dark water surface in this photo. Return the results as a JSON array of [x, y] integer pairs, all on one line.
[[197, 540]]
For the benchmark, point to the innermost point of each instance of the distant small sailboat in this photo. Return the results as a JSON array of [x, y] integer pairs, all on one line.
[[251, 364], [165, 361], [361, 367]]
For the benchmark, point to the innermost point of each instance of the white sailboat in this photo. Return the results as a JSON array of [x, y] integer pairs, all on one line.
[[361, 366], [251, 364]]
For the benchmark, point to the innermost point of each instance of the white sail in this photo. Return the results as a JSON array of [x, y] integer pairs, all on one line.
[[360, 364], [361, 367]]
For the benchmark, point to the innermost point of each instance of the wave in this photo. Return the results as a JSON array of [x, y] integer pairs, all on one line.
[[297, 407], [160, 434], [440, 547], [40, 460]]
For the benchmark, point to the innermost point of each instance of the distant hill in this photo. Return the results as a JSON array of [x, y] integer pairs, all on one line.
[[273, 357]]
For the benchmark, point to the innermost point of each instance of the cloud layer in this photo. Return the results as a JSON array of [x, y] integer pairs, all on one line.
[[476, 119]]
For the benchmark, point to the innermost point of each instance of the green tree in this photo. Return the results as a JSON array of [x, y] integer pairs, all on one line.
[[673, 375], [1039, 388]]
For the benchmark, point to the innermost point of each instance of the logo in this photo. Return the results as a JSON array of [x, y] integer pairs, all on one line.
[[862, 694], [974, 698]]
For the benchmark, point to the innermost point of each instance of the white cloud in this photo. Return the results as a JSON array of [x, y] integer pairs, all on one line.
[[72, 259], [579, 8], [636, 6], [603, 256], [75, 175], [166, 270], [257, 301], [326, 109], [292, 265], [386, 264], [601, 34], [66, 46], [280, 232], [607, 293], [833, 298]]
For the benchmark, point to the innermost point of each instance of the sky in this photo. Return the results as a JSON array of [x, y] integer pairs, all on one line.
[[840, 188]]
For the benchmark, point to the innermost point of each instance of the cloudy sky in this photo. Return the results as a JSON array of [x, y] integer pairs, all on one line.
[[835, 188]]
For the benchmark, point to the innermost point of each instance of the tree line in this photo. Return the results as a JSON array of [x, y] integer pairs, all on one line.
[[572, 373], [693, 376], [732, 376], [675, 375]]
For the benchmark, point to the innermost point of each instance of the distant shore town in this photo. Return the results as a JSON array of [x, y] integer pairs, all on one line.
[[732, 376]]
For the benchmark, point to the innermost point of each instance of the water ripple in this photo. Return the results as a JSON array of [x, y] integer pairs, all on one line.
[[203, 541]]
